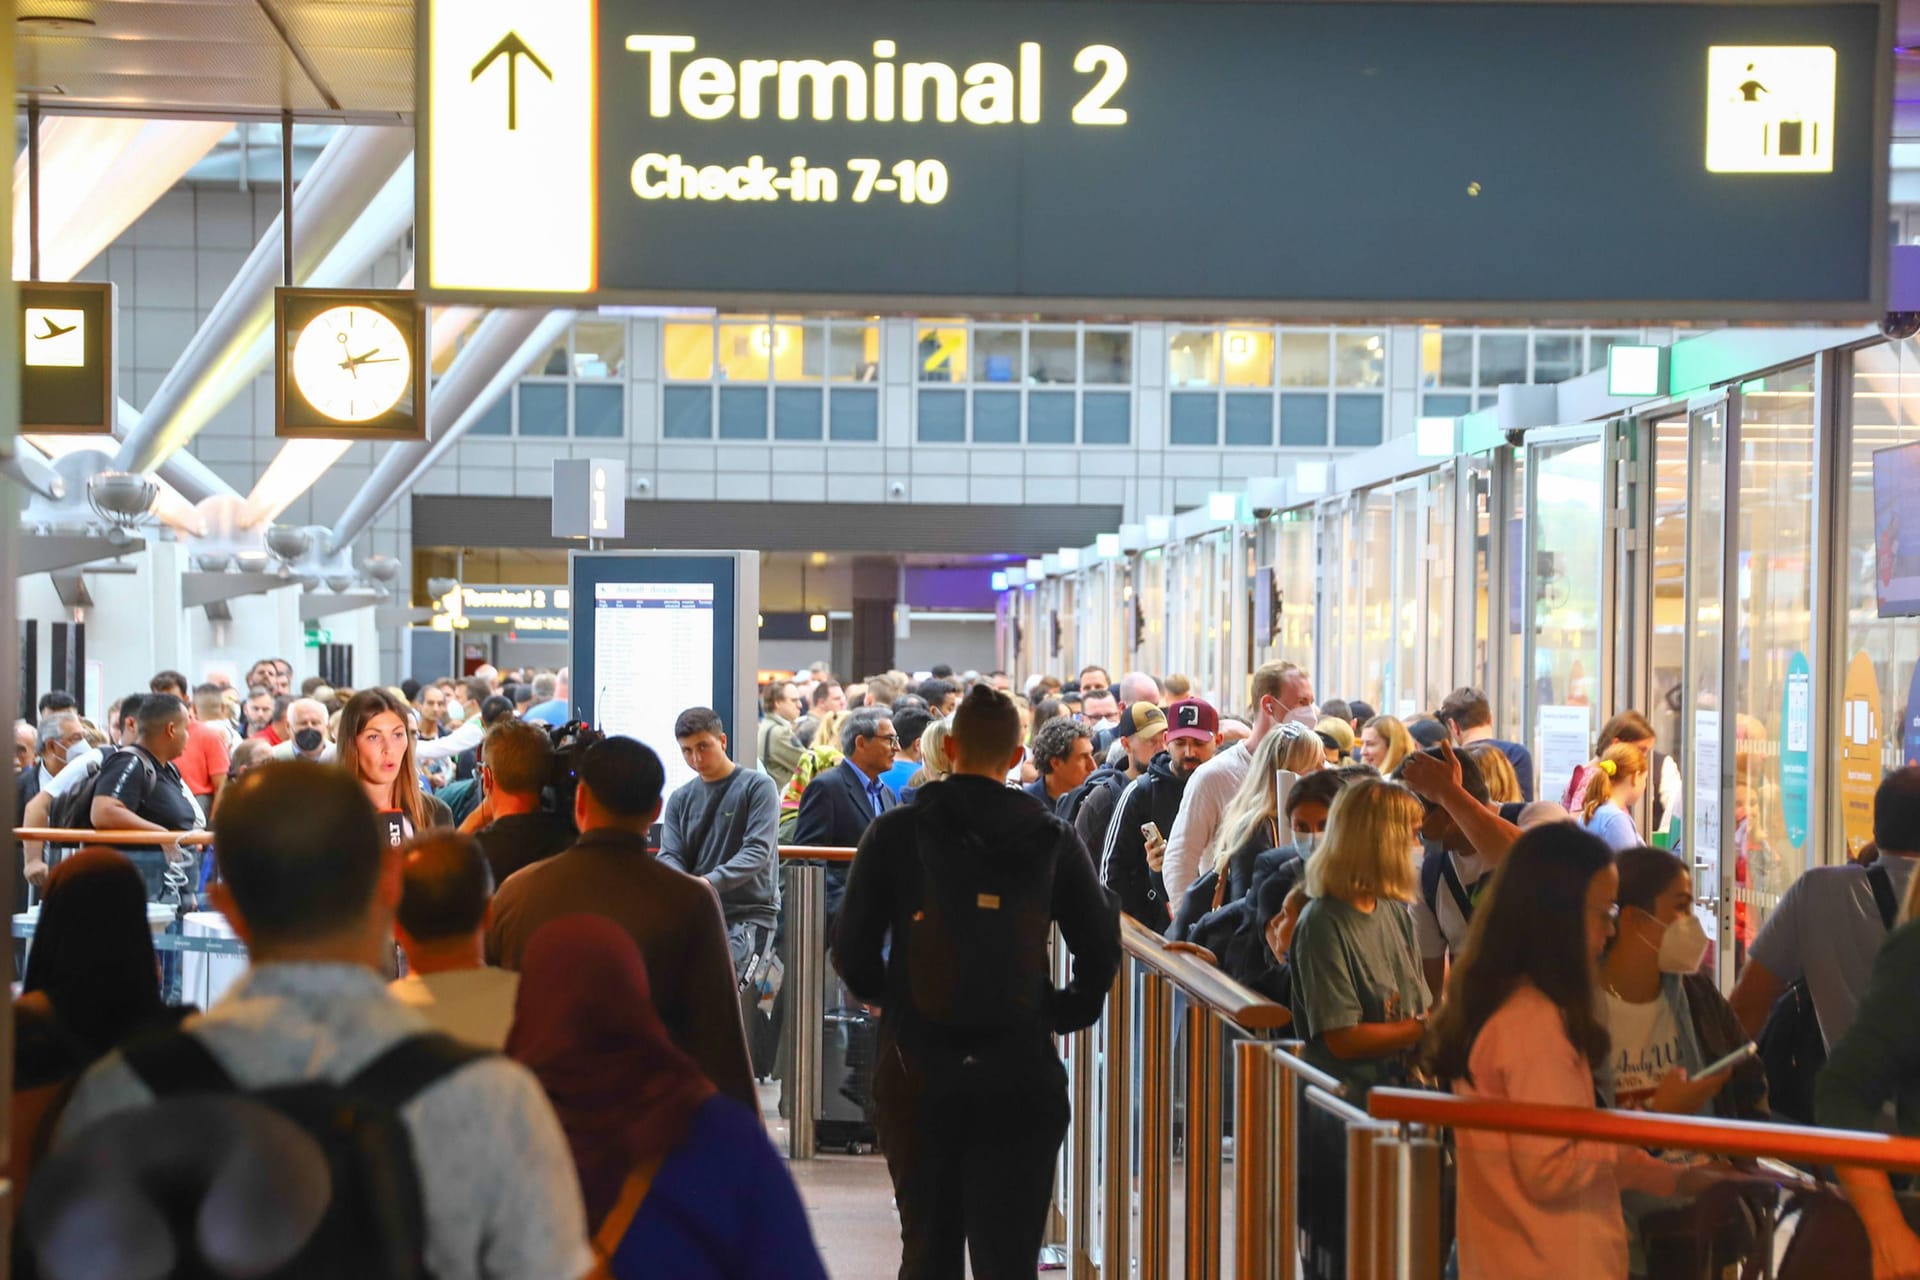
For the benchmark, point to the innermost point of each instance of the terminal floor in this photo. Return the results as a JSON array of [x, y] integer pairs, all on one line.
[[849, 1201]]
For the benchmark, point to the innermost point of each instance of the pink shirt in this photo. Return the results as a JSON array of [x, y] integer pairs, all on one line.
[[1533, 1206]]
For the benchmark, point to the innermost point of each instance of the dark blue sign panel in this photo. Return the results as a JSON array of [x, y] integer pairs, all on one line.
[[1429, 159]]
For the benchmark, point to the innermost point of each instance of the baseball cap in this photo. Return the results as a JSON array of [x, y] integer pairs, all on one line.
[[1192, 718], [1142, 720]]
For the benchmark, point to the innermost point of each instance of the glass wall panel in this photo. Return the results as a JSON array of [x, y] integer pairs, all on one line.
[[1055, 354], [1193, 358], [1109, 358], [1775, 600], [1570, 506], [1667, 568], [599, 412], [689, 351], [1503, 358], [997, 355], [941, 353], [1510, 709], [1360, 360], [1249, 357], [1297, 604], [1106, 417], [600, 349], [1446, 358], [1407, 631], [853, 352], [543, 409], [746, 351], [1376, 599], [1476, 472], [1884, 397], [1304, 359], [1556, 357], [1437, 572]]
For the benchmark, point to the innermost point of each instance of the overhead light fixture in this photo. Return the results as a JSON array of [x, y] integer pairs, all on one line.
[[1310, 479], [1223, 506], [1069, 559], [999, 581], [1637, 371], [1108, 545], [817, 623]]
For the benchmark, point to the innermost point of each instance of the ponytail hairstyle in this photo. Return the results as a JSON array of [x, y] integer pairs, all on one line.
[[1623, 761]]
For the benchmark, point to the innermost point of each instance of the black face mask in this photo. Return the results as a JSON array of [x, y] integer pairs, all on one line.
[[308, 740]]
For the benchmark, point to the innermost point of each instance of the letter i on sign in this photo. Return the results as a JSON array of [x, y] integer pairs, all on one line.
[[508, 145]]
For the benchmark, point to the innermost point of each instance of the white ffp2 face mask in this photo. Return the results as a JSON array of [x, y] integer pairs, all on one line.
[[1308, 715], [1683, 947]]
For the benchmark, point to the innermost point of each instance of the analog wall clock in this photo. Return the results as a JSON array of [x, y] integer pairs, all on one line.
[[350, 364]]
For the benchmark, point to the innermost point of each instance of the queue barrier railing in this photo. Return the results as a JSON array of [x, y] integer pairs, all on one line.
[[803, 871]]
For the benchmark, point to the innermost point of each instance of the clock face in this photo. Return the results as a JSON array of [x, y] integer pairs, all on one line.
[[352, 363]]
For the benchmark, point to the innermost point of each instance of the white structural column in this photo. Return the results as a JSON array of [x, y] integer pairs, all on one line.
[[231, 346], [501, 348]]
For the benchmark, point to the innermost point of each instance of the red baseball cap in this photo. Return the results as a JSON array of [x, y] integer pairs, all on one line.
[[1192, 718]]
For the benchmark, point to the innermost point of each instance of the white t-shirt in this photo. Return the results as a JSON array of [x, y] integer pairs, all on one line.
[[74, 774], [474, 1005], [1646, 1045], [1443, 927]]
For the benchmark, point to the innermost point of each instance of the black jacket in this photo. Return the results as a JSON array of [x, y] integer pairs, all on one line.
[[834, 813], [1152, 797], [1027, 863], [1090, 808]]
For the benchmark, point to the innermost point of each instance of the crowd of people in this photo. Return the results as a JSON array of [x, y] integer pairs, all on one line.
[[493, 932]]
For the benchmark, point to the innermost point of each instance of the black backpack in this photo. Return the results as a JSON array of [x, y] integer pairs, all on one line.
[[1791, 1046], [72, 810], [977, 949], [373, 1226]]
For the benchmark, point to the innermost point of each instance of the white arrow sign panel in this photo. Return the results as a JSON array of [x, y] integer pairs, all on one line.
[[509, 126]]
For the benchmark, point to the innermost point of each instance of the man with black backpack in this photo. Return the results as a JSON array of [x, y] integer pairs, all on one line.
[[1811, 961], [970, 1095], [443, 1160]]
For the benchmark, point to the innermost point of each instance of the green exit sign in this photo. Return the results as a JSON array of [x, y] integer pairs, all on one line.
[[317, 636]]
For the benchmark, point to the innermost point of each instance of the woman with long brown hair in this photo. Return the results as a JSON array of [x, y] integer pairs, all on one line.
[[376, 747]]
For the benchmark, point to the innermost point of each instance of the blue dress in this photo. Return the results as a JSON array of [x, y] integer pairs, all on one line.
[[721, 1206]]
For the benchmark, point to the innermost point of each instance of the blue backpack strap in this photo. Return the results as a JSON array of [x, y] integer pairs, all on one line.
[[1881, 882], [175, 1063], [1430, 869]]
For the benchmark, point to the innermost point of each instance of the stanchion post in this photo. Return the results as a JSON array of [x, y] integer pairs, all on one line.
[[1253, 1164], [1156, 1126], [1286, 1134], [1407, 1177], [1360, 1206], [1203, 1141], [1116, 1247], [1080, 1212], [805, 981]]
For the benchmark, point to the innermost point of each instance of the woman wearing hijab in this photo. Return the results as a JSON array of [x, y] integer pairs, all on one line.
[[92, 981], [678, 1179]]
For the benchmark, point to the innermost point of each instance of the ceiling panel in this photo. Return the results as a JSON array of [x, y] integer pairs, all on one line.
[[221, 56]]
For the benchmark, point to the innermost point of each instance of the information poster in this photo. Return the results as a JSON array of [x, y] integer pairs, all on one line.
[[1564, 737], [1705, 785], [1858, 763], [1796, 741]]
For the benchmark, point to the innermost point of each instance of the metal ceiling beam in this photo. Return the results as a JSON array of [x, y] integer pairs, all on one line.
[[232, 344], [198, 588], [501, 348], [54, 552]]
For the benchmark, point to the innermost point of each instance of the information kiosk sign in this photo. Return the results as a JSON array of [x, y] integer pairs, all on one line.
[[656, 632], [1161, 157]]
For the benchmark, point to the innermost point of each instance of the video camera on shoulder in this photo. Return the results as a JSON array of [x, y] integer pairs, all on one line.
[[570, 742]]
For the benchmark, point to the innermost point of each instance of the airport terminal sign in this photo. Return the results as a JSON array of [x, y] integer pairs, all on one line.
[[1410, 160]]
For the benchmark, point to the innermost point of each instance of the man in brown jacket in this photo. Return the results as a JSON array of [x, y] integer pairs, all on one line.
[[674, 917]]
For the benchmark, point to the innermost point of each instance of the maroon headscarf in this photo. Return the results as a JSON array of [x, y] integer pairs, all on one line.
[[585, 1024]]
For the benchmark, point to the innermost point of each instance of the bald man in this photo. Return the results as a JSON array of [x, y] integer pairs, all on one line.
[[307, 725]]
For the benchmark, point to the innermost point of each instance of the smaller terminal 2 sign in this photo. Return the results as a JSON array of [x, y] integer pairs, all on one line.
[[1392, 160]]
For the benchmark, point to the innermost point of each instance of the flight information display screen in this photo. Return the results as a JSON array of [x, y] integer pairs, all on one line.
[[655, 634], [653, 651]]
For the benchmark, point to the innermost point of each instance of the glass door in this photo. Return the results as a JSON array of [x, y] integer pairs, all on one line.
[[1565, 571], [1438, 607], [1708, 767]]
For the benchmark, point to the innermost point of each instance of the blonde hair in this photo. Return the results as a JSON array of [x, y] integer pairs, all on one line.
[[1339, 730], [1399, 741], [828, 732], [1287, 746], [1369, 844], [1622, 761], [935, 762], [1503, 784]]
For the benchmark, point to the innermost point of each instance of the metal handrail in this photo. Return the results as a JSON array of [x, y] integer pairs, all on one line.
[[815, 853], [1643, 1129], [1200, 981], [75, 835]]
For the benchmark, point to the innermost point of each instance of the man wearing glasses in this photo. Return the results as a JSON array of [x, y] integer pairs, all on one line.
[[838, 804]]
